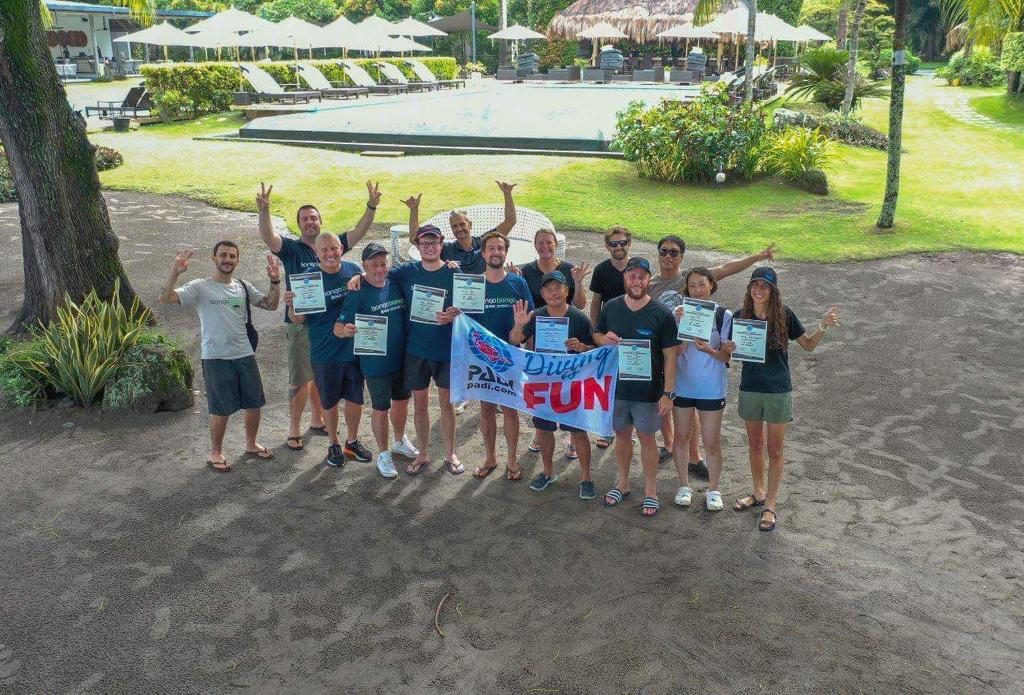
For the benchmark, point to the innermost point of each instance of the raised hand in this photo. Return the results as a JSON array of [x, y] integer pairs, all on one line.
[[521, 313], [579, 272], [413, 201], [768, 254], [513, 268], [831, 318], [181, 261], [355, 283], [273, 267], [373, 194], [263, 197], [506, 188], [448, 315]]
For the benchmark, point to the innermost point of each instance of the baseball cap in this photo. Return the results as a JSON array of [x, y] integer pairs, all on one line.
[[553, 275], [372, 250], [638, 262], [428, 230], [765, 273]]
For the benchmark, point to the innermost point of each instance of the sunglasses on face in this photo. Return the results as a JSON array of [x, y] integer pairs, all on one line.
[[668, 252], [618, 244]]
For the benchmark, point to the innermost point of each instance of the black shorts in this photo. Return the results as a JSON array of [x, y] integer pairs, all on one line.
[[419, 371], [551, 426], [387, 388], [233, 385], [338, 381], [705, 404]]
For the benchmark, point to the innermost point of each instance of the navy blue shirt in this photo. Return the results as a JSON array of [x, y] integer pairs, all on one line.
[[324, 346], [499, 299], [533, 275], [429, 341], [298, 257], [379, 301], [471, 261], [773, 375]]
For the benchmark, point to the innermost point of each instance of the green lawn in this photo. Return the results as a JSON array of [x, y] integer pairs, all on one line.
[[1008, 108], [962, 188]]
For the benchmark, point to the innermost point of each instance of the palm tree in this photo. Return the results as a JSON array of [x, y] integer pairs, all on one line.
[[899, 74], [986, 22], [851, 68], [67, 243], [706, 9]]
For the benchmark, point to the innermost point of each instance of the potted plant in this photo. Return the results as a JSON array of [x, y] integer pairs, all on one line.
[[474, 71]]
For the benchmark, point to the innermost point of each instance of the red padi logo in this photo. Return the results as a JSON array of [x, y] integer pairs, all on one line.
[[490, 350]]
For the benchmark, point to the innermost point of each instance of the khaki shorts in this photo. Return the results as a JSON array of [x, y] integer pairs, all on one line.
[[776, 408], [300, 370]]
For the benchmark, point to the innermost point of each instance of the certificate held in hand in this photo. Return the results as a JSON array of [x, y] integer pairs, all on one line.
[[635, 360], [698, 319], [371, 335], [427, 303], [751, 338], [309, 293], [468, 293], [551, 334]]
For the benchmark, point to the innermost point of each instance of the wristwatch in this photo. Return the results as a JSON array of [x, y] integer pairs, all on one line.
[[671, 395]]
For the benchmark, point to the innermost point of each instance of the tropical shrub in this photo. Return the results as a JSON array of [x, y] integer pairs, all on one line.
[[558, 53], [691, 141], [473, 67], [794, 151], [107, 158], [876, 32], [1012, 59], [980, 68], [170, 104], [821, 77], [823, 15], [851, 130]]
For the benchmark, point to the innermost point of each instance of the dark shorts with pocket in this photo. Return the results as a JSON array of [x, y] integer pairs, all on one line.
[[419, 371], [233, 385], [708, 405], [338, 381], [551, 426], [387, 388]]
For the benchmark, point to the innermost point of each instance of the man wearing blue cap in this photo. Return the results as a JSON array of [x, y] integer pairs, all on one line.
[[645, 332]]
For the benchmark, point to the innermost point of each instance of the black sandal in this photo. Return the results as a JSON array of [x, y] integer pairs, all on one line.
[[767, 526], [300, 447], [219, 466], [741, 506]]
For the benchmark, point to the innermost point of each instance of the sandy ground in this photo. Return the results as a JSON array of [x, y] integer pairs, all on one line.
[[897, 566]]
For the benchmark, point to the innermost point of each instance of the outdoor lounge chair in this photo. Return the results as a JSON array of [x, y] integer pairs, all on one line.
[[609, 68], [315, 79], [424, 74], [362, 78], [566, 74], [676, 76], [527, 67], [393, 75], [135, 104], [268, 89]]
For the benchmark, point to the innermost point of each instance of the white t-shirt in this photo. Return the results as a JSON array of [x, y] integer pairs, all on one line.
[[221, 309], [698, 374]]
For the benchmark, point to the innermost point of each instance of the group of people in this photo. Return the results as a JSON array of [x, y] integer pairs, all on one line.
[[683, 393]]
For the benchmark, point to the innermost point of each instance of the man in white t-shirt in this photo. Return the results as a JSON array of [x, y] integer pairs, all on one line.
[[229, 362]]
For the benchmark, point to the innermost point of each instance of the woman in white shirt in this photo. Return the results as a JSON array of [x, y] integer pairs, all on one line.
[[701, 384]]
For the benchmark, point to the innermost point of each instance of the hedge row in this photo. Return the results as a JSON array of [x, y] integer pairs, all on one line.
[[207, 87]]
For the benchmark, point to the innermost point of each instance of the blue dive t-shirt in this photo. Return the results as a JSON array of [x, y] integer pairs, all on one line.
[[324, 346], [379, 301], [426, 340], [471, 261], [499, 299], [298, 257]]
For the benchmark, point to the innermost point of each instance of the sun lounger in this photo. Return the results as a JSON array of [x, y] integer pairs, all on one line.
[[362, 78], [135, 104], [424, 74], [683, 76], [393, 75], [315, 79], [267, 87]]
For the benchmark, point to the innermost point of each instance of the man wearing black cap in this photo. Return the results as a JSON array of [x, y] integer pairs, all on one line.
[[380, 296], [646, 364], [555, 289]]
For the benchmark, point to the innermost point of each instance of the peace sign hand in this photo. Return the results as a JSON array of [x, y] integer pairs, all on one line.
[[373, 194], [273, 267], [263, 197], [181, 261]]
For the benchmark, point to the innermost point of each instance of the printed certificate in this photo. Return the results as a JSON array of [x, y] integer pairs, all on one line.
[[698, 319], [635, 360], [550, 334], [309, 292], [371, 335], [427, 303], [751, 338], [468, 292]]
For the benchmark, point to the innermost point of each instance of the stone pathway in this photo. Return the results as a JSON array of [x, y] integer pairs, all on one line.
[[956, 103]]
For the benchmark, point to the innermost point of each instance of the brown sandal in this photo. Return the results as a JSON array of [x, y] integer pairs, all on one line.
[[219, 466], [261, 453], [513, 473], [741, 505], [482, 472], [300, 447], [417, 468]]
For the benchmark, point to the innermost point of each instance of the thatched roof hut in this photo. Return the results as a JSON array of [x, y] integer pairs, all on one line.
[[640, 20]]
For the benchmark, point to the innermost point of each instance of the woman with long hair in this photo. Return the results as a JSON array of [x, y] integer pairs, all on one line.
[[766, 391]]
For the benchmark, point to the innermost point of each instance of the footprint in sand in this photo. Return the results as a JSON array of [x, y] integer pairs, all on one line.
[[9, 666]]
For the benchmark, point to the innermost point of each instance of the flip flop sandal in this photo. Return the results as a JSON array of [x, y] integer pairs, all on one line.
[[534, 448], [483, 471], [322, 429], [652, 504], [300, 447], [571, 453], [741, 506], [219, 466], [513, 473], [616, 496], [603, 442], [454, 467], [262, 453], [767, 526], [413, 469]]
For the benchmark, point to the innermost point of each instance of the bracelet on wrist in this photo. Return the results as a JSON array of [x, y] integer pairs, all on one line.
[[372, 207], [275, 282]]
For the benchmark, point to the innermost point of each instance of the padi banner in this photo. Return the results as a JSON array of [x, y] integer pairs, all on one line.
[[575, 389]]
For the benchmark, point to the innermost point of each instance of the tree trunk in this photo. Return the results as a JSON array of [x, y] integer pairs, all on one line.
[[844, 12], [1014, 83], [892, 176], [67, 243], [748, 69], [851, 68]]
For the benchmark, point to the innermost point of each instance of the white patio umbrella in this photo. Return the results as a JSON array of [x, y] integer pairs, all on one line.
[[227, 29], [414, 27], [767, 27], [165, 35], [298, 33], [379, 24], [516, 33], [808, 33], [403, 44], [603, 30], [688, 31], [337, 34]]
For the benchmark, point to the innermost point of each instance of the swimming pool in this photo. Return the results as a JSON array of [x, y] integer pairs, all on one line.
[[498, 116]]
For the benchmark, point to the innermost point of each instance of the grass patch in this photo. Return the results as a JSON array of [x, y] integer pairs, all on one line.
[[1006, 108], [962, 187]]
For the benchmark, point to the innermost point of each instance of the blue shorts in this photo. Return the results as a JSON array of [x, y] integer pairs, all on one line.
[[338, 381]]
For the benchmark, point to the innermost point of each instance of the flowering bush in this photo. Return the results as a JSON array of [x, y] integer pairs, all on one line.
[[980, 68]]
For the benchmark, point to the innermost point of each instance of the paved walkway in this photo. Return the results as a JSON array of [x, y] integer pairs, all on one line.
[[956, 103]]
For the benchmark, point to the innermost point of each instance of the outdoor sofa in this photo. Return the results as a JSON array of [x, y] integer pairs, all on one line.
[[330, 90], [527, 66]]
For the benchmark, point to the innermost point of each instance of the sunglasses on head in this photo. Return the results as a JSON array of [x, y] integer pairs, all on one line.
[[621, 244], [668, 252]]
